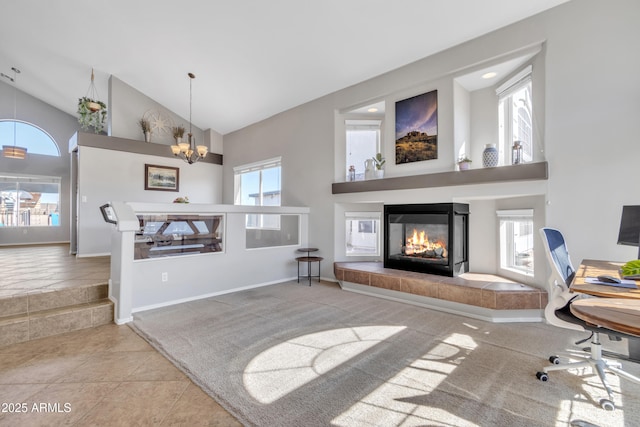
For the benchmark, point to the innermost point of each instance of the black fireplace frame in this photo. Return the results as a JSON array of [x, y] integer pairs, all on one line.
[[456, 265]]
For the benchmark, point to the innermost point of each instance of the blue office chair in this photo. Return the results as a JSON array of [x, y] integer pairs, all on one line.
[[558, 313]]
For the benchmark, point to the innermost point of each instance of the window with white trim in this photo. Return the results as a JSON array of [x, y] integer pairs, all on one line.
[[363, 142], [31, 137], [515, 116], [259, 184], [29, 201], [516, 240], [362, 233]]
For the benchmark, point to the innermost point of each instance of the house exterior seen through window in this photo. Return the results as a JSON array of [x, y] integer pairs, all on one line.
[[259, 184], [362, 231]]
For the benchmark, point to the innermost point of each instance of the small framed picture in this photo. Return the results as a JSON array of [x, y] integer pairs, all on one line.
[[161, 178]]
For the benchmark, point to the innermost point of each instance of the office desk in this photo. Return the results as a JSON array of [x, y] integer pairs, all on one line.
[[618, 314], [594, 268]]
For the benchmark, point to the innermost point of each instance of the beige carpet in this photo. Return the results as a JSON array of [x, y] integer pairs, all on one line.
[[294, 355]]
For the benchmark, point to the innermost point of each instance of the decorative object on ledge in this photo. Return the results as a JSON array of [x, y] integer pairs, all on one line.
[[511, 173], [464, 163], [161, 178], [146, 129], [184, 199], [417, 128], [490, 156], [14, 151], [352, 173], [189, 151], [91, 111], [178, 133], [516, 153], [379, 162]]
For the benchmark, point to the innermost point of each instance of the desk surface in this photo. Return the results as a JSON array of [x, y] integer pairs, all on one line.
[[594, 268], [619, 314]]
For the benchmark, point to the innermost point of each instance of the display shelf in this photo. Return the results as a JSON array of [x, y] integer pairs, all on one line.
[[523, 172]]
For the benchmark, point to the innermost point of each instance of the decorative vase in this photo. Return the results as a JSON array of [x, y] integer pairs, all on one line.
[[490, 156], [463, 166], [379, 173], [147, 136]]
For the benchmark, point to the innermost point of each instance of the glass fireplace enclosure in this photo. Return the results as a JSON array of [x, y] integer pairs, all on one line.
[[427, 238]]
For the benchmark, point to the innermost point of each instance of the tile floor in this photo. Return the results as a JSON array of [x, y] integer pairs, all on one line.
[[103, 376]]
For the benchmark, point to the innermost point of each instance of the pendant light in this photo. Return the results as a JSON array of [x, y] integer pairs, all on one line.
[[14, 151], [189, 151]]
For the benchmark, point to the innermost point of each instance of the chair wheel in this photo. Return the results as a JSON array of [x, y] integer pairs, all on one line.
[[607, 405], [555, 360], [542, 376]]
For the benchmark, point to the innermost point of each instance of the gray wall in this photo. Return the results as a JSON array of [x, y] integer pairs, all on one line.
[[588, 131], [61, 127]]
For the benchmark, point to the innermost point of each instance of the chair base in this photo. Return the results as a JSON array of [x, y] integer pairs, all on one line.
[[597, 364]]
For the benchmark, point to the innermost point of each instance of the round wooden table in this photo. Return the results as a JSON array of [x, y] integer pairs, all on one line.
[[618, 314], [308, 259]]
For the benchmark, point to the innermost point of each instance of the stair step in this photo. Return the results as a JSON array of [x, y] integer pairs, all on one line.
[[51, 299], [53, 321]]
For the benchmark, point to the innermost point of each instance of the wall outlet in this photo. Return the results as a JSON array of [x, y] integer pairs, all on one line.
[[165, 277]]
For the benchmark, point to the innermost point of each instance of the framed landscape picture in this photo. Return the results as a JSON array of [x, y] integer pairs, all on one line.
[[161, 178], [417, 128]]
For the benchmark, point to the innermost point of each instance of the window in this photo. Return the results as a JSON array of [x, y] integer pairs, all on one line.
[[259, 184], [516, 240], [363, 142], [515, 116], [29, 201], [34, 139], [362, 233]]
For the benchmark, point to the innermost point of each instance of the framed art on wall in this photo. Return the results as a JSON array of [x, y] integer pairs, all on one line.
[[161, 178], [417, 128]]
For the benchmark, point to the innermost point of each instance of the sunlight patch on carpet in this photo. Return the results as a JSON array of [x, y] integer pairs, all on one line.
[[402, 399], [285, 367]]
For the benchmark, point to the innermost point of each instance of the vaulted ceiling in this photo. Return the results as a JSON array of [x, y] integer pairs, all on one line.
[[252, 58]]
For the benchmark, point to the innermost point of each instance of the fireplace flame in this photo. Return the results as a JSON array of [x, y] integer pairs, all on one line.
[[419, 243]]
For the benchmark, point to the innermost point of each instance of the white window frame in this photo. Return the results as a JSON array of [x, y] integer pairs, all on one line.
[[361, 125], [507, 116], [238, 171], [375, 217], [507, 219]]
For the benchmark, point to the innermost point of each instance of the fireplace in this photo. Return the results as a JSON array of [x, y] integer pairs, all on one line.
[[427, 238]]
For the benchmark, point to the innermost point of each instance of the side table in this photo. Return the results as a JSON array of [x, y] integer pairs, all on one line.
[[308, 259]]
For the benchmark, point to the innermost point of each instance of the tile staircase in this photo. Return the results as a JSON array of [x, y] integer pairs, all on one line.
[[33, 315]]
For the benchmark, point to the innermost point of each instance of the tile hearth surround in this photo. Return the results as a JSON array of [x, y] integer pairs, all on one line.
[[481, 290]]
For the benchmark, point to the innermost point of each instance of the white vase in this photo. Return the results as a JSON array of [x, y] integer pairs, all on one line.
[[490, 156], [147, 136], [379, 173]]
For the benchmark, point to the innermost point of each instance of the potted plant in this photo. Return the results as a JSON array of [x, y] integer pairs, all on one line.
[[145, 125], [91, 113], [379, 162], [178, 133], [464, 163]]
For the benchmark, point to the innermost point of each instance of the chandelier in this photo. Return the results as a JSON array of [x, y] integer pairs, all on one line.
[[189, 151], [14, 151]]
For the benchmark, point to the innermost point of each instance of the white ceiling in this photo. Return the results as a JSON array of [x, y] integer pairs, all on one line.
[[252, 58]]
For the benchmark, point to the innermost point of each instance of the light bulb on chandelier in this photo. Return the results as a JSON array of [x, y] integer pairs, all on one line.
[[189, 151]]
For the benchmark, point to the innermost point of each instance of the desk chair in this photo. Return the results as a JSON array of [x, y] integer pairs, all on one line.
[[557, 313]]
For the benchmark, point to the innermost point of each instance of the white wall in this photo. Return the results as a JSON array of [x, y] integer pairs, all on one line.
[[107, 175], [589, 128]]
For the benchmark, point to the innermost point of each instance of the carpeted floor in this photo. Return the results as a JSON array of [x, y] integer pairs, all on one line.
[[294, 355]]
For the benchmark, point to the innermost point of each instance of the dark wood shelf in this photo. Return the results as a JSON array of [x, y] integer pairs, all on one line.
[[131, 146], [524, 172]]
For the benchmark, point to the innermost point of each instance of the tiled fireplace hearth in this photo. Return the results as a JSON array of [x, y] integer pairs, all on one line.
[[483, 296]]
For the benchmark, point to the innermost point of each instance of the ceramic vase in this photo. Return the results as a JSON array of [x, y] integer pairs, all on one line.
[[490, 156]]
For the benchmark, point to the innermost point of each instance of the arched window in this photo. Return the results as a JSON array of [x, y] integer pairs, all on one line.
[[34, 139]]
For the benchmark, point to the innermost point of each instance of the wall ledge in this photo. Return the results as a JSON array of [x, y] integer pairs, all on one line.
[[524, 172]]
